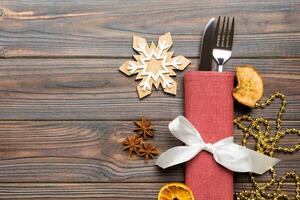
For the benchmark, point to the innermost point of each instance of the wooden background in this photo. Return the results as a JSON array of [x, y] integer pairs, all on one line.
[[64, 107]]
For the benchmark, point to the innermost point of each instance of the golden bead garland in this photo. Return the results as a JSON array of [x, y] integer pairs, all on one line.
[[268, 144]]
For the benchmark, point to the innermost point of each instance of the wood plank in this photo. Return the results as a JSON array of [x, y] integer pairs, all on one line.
[[288, 188], [106, 191], [105, 28], [77, 152], [103, 191], [90, 151], [94, 89]]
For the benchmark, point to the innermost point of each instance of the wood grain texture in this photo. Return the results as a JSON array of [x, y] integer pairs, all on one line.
[[105, 29], [94, 89], [64, 107], [103, 191], [288, 189], [91, 151], [89, 191], [77, 152]]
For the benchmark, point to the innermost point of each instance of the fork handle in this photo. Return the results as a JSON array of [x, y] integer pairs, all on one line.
[[220, 68]]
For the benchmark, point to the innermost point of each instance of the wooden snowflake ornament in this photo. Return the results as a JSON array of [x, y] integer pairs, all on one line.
[[154, 65]]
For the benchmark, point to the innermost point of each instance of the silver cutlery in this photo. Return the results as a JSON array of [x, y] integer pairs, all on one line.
[[223, 45], [207, 45]]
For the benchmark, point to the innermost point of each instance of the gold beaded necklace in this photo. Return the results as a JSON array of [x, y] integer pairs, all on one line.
[[267, 144]]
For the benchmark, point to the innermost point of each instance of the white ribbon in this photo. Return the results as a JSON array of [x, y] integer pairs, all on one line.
[[232, 156]]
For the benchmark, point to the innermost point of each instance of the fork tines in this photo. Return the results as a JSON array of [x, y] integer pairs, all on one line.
[[225, 32]]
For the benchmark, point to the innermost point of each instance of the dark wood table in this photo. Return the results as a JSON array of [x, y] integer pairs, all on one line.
[[65, 108]]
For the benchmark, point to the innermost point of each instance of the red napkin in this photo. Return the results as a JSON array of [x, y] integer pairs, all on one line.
[[209, 107]]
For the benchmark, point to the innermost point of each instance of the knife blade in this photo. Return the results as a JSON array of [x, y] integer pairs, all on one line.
[[208, 40]]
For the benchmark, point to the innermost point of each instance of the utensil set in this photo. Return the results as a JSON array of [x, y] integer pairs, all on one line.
[[217, 42]]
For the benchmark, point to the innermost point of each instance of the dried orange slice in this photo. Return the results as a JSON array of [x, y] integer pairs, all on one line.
[[250, 86], [175, 191]]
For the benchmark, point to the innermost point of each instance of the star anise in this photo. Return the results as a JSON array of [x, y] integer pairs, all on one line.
[[144, 128], [132, 144], [148, 151]]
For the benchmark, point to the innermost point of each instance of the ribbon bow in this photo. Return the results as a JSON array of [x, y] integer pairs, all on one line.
[[232, 156]]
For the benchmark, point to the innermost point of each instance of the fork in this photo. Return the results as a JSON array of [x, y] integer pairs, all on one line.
[[224, 38]]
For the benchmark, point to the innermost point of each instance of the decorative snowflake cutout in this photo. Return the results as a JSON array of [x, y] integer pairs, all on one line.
[[154, 65]]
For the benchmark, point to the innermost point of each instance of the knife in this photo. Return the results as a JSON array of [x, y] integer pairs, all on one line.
[[208, 41]]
